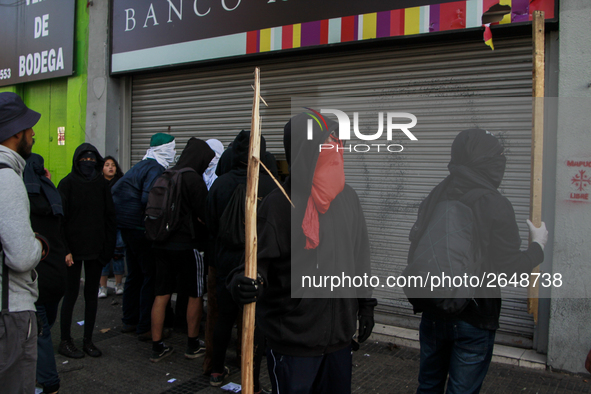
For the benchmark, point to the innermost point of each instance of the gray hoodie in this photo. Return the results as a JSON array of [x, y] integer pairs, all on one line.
[[21, 250]]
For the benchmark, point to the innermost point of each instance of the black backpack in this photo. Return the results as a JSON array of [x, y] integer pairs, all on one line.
[[450, 245], [164, 205], [232, 222]]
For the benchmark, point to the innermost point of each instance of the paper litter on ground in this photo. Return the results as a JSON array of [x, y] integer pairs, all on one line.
[[171, 380], [233, 387], [81, 323]]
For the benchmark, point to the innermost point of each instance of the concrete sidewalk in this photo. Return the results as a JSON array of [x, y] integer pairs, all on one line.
[[380, 366]]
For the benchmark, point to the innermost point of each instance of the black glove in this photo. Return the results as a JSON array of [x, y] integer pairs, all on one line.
[[366, 324], [245, 290]]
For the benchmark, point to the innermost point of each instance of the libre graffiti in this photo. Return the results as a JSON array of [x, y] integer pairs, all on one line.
[[580, 180]]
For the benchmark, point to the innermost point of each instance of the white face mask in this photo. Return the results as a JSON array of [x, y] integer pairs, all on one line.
[[163, 154]]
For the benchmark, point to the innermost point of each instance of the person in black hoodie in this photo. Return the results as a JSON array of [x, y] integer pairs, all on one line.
[[47, 216], [90, 228], [177, 263], [309, 339], [226, 255], [462, 346]]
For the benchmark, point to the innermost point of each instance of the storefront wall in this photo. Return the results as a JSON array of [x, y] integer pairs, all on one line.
[[460, 73]]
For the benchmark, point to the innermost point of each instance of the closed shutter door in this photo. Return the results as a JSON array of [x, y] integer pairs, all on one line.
[[480, 87]]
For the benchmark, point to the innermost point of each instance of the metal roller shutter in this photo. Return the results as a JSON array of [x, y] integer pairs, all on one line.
[[449, 86]]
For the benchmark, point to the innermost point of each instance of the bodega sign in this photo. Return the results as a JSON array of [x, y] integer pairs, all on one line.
[[37, 40]]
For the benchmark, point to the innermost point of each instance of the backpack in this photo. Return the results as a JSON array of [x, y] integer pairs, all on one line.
[[449, 246], [164, 205], [232, 222]]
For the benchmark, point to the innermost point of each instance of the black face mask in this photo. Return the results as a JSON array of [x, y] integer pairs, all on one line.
[[87, 168]]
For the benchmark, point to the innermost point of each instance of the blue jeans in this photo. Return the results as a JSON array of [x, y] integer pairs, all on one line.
[[46, 369], [138, 291], [455, 348], [118, 264]]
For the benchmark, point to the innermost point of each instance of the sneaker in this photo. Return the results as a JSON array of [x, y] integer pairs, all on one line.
[[102, 292], [119, 289], [156, 356], [68, 349], [191, 353], [90, 349], [216, 379]]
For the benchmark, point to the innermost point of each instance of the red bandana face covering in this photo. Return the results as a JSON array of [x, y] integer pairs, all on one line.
[[328, 182]]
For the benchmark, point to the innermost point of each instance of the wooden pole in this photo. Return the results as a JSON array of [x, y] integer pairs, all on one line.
[[250, 270], [537, 142]]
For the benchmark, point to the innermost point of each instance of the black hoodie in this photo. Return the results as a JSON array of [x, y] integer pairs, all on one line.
[[192, 233], [49, 223], [227, 257], [90, 224], [477, 162], [308, 326]]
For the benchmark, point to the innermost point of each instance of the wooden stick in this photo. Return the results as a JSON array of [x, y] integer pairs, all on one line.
[[250, 270], [277, 183], [537, 142]]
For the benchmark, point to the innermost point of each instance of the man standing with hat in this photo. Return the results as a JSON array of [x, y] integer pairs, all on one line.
[[21, 249]]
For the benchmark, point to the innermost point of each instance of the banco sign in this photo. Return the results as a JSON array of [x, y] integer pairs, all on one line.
[[395, 121]]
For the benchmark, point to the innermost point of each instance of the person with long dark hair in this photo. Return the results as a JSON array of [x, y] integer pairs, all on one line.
[[112, 173]]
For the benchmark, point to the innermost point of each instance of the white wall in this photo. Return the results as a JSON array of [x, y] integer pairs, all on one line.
[[570, 318]]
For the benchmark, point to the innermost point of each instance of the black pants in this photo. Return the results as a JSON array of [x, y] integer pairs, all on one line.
[[326, 374], [92, 270], [227, 313]]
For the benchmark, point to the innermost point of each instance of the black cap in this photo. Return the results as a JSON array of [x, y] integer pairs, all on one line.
[[15, 116]]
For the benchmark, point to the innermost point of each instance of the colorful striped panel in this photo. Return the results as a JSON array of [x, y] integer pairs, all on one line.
[[410, 21]]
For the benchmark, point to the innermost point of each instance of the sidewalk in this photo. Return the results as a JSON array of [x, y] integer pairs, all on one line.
[[378, 367]]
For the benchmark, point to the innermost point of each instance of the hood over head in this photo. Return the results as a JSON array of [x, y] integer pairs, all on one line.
[[196, 155], [37, 183], [210, 173], [82, 151], [302, 155], [477, 157], [240, 147]]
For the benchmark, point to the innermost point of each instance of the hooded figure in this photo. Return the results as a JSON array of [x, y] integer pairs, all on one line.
[[192, 233], [210, 174], [47, 217], [179, 265], [477, 162], [227, 256], [309, 339], [90, 231]]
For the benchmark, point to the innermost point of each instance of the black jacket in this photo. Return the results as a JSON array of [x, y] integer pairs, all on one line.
[[90, 224], [52, 270], [477, 163], [192, 233], [227, 257], [309, 326]]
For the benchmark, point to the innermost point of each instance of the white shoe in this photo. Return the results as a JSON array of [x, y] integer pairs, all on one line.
[[119, 289], [102, 292]]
